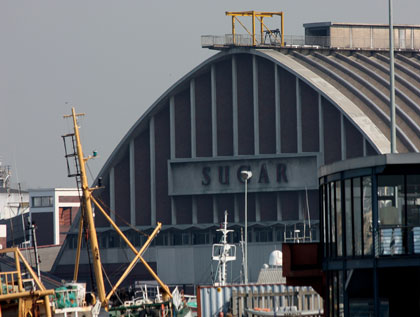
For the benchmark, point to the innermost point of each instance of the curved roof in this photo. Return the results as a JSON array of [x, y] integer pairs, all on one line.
[[354, 81]]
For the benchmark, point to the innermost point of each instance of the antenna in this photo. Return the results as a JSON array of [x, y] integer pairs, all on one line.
[[223, 252]]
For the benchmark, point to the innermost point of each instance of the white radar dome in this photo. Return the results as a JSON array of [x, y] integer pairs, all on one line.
[[276, 258]]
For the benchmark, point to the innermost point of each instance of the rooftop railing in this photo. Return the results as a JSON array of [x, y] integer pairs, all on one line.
[[267, 41]]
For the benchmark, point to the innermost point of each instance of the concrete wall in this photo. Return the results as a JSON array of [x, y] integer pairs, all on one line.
[[376, 37]]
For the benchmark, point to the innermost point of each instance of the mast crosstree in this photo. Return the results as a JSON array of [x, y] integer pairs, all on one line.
[[223, 252]]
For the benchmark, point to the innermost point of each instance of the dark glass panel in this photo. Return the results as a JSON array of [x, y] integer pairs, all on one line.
[[339, 218], [413, 200], [357, 216], [349, 218], [367, 215]]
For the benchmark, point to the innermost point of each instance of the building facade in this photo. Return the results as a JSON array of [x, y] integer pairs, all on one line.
[[53, 211], [371, 235], [281, 113]]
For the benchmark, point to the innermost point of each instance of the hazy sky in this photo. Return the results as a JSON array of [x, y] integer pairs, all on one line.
[[112, 60]]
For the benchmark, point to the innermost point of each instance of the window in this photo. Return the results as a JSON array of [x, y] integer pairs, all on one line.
[[324, 218], [42, 201], [349, 217], [65, 218], [340, 287], [391, 200], [367, 216], [263, 235], [328, 226], [161, 239], [357, 216], [280, 234], [186, 238], [181, 238], [332, 220], [339, 219], [201, 237], [413, 200], [392, 214]]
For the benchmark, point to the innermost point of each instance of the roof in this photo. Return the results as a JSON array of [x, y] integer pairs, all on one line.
[[271, 275], [370, 161], [381, 25], [12, 191], [355, 81]]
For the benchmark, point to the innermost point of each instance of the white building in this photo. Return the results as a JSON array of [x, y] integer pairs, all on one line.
[[13, 202], [53, 211]]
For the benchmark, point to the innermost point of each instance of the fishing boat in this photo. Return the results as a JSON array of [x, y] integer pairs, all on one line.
[[29, 297]]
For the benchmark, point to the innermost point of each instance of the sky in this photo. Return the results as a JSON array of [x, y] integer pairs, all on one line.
[[111, 60]]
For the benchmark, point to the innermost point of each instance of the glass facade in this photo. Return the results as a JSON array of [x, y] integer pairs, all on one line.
[[371, 240], [348, 229]]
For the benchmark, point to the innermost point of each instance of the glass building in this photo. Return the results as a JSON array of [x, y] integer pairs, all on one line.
[[370, 235]]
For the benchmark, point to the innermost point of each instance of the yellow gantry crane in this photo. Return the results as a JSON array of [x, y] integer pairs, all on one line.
[[87, 215], [260, 17]]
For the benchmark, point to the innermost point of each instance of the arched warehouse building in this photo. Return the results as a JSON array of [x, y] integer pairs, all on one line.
[[281, 112]]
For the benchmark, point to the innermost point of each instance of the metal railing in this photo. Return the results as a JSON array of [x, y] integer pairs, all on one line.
[[291, 301], [348, 42], [8, 281]]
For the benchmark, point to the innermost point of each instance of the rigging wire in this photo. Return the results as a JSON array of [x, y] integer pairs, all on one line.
[[90, 263], [121, 218], [21, 200], [90, 172], [110, 284]]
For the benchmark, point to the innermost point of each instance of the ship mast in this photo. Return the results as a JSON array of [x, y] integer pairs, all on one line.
[[87, 215], [87, 206], [223, 253]]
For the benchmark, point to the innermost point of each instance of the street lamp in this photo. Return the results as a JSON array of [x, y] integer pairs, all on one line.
[[246, 175]]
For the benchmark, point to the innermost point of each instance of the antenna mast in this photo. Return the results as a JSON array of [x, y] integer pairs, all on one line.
[[223, 252]]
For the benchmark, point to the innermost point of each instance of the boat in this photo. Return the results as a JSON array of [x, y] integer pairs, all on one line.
[[29, 297]]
